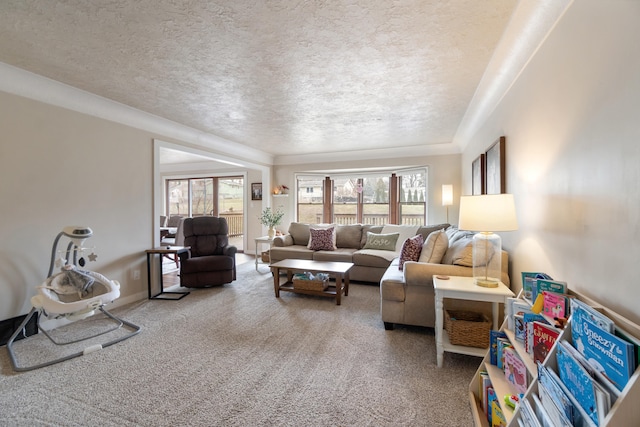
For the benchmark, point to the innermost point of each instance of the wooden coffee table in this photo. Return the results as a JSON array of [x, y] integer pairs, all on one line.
[[338, 270]]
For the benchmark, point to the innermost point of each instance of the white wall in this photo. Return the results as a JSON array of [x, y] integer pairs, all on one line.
[[59, 167], [572, 129]]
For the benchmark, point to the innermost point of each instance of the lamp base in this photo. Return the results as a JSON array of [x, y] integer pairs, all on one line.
[[486, 283]]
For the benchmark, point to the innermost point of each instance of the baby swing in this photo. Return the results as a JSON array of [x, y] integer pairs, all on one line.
[[72, 294]]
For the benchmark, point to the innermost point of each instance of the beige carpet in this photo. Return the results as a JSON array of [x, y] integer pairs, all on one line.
[[237, 356]]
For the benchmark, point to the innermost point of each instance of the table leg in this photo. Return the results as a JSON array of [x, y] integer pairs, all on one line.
[[439, 325], [338, 289], [276, 280], [346, 284], [149, 273], [257, 256]]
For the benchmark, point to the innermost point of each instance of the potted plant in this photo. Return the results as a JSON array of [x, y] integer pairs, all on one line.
[[271, 218]]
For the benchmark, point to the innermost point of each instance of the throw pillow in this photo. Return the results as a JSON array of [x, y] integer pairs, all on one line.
[[434, 247], [322, 239], [405, 232], [384, 242], [411, 249]]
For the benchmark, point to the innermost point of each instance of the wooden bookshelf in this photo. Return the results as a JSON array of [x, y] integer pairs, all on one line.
[[624, 412]]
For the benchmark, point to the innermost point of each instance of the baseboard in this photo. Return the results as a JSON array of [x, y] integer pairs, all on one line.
[[9, 326]]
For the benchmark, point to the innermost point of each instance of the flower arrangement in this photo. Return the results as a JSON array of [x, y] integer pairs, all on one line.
[[271, 218]]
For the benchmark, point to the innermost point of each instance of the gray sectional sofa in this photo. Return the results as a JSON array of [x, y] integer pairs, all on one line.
[[369, 264]]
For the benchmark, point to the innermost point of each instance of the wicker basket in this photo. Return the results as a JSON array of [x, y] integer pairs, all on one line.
[[467, 328], [265, 256], [310, 285]]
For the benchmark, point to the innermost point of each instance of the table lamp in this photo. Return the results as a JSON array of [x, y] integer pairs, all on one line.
[[447, 197], [486, 214]]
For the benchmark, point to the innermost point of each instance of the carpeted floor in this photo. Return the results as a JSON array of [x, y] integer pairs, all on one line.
[[237, 356]]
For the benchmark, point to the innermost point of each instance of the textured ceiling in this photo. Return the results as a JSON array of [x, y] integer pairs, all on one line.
[[281, 76]]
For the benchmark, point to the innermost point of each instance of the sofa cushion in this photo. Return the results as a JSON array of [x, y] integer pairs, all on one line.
[[373, 258], [322, 239], [349, 236], [392, 284], [411, 249], [426, 230], [405, 231], [339, 255], [434, 247], [300, 233], [383, 242], [291, 252]]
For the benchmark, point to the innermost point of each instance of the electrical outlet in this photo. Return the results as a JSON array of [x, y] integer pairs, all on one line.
[[136, 274]]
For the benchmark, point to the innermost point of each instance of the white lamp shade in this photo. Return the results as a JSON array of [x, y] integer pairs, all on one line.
[[488, 212], [447, 195]]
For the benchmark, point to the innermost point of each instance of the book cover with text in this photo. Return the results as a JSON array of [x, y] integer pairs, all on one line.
[[544, 336]]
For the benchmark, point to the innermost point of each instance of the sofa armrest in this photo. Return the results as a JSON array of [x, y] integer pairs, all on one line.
[[282, 241]]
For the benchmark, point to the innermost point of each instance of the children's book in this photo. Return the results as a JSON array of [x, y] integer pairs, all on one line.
[[497, 416], [528, 319], [515, 371], [551, 391], [558, 418], [516, 306], [527, 282], [581, 310], [484, 384], [541, 412], [544, 336], [633, 340], [578, 382], [502, 344], [493, 345], [611, 355], [491, 398], [519, 327], [555, 305], [528, 416], [541, 285]]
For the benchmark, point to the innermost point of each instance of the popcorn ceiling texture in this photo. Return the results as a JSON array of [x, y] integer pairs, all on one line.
[[281, 76]]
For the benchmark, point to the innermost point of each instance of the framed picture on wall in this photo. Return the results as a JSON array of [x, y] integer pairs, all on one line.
[[256, 191], [477, 176], [495, 182]]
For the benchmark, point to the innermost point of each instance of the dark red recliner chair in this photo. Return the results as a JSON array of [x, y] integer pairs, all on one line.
[[211, 260]]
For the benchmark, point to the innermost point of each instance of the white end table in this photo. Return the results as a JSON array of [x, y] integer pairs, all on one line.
[[457, 287], [264, 240]]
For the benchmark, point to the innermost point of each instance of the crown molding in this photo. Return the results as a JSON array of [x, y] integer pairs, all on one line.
[[33, 86]]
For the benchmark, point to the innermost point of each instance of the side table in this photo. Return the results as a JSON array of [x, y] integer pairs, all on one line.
[[162, 251], [264, 240], [457, 287]]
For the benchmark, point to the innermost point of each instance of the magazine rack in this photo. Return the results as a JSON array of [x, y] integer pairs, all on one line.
[[625, 411]]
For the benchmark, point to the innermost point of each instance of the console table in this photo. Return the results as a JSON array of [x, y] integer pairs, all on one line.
[[162, 251], [457, 287]]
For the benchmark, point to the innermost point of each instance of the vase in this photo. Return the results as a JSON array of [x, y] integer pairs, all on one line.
[[272, 232]]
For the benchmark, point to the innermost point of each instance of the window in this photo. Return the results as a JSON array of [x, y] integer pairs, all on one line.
[[368, 198], [217, 196], [310, 196]]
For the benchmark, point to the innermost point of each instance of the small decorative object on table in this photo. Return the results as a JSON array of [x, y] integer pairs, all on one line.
[[271, 218], [310, 282]]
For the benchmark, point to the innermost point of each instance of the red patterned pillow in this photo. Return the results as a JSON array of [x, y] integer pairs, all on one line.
[[411, 249], [322, 239]]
